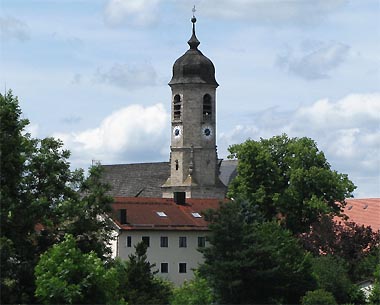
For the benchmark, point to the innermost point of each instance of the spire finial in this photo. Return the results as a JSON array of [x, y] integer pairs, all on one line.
[[193, 42]]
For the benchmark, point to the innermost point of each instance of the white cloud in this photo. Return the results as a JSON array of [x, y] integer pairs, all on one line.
[[353, 110], [347, 131], [131, 134], [136, 12], [128, 76], [13, 28], [315, 64]]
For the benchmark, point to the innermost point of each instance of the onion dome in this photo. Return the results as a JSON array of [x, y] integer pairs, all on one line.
[[193, 67]]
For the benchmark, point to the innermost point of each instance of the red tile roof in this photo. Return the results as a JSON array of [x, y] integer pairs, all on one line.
[[364, 212], [142, 213]]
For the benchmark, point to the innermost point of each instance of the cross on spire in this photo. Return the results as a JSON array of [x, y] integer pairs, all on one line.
[[193, 42]]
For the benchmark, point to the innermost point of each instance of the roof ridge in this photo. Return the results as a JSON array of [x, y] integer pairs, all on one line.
[[136, 163]]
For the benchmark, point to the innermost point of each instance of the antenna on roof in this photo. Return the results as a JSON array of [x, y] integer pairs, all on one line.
[[194, 10]]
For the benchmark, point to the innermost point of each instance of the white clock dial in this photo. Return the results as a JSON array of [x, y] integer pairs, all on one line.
[[177, 132], [207, 132]]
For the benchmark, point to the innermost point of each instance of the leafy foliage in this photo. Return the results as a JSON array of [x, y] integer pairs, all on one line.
[[41, 200], [288, 178], [319, 297], [253, 262], [374, 297], [194, 292], [358, 245], [87, 219], [66, 275], [331, 273], [14, 236], [138, 285]]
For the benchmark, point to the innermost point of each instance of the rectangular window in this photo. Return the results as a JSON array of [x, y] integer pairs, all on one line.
[[129, 241], [182, 242], [146, 240], [164, 242], [164, 267], [182, 268], [201, 241]]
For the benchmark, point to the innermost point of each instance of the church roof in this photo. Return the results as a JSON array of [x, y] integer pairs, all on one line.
[[162, 213], [146, 179], [136, 180], [228, 171]]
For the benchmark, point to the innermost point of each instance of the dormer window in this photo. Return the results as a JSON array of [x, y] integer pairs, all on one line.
[[207, 108], [177, 107]]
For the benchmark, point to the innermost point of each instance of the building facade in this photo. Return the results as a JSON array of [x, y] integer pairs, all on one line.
[[174, 232]]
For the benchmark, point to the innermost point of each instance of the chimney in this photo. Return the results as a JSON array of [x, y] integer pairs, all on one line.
[[123, 216], [180, 198]]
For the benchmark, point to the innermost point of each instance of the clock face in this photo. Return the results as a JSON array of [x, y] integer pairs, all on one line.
[[207, 132], [177, 132]]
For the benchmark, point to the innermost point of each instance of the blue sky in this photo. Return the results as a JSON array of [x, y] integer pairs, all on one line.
[[94, 73]]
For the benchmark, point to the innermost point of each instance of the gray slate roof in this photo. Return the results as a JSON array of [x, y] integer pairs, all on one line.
[[146, 179], [228, 171]]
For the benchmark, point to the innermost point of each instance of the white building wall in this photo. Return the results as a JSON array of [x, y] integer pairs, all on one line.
[[173, 254]]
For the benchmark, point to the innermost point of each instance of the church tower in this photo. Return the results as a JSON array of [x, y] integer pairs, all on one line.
[[194, 165]]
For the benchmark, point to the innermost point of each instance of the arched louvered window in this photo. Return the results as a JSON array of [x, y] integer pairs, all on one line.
[[177, 107], [207, 107]]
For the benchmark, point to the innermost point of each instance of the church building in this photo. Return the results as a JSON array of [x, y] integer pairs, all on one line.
[[161, 203]]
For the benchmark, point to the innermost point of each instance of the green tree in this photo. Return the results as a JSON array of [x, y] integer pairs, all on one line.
[[288, 178], [41, 200], [138, 282], [194, 292], [319, 297], [374, 297], [66, 275], [251, 262], [88, 217], [331, 273], [358, 245], [14, 242], [364, 268]]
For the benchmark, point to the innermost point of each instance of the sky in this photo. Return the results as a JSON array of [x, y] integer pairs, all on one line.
[[94, 73]]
